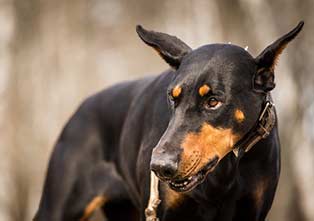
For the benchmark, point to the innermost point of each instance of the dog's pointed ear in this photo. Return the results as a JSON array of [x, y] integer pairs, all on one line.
[[267, 59], [170, 48]]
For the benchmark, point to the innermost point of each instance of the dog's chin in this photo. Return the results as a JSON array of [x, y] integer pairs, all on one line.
[[189, 183]]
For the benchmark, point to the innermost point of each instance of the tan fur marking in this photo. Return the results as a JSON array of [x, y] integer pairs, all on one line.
[[203, 90], [176, 91], [276, 58], [239, 115], [259, 192], [172, 198], [96, 203], [199, 148], [278, 53]]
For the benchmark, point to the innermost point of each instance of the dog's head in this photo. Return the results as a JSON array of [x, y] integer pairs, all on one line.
[[216, 97]]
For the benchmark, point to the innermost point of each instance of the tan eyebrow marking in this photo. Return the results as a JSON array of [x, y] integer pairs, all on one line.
[[204, 90], [239, 115], [176, 91]]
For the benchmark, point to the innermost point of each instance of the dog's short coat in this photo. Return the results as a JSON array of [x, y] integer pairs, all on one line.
[[192, 116]]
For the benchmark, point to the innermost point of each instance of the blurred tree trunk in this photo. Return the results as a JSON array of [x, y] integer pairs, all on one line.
[[26, 16], [6, 136]]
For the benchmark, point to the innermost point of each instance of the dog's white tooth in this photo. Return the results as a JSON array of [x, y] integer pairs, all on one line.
[[236, 152], [186, 182], [190, 178]]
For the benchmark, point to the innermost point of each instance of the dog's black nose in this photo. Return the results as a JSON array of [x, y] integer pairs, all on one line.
[[165, 169]]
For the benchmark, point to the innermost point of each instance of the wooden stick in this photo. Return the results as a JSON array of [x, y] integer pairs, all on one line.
[[151, 210]]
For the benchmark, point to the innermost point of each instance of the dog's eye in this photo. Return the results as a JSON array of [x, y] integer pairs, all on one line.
[[212, 103]]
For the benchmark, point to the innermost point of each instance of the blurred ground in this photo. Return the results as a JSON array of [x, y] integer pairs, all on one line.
[[53, 54]]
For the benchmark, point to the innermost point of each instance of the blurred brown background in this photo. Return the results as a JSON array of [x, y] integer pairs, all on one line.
[[55, 53]]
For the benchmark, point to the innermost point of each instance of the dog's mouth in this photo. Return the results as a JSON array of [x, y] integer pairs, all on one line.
[[189, 183]]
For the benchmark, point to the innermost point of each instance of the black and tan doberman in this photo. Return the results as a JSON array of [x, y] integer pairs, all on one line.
[[206, 127]]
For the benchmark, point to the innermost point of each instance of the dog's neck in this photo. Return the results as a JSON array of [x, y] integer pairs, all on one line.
[[219, 184]]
